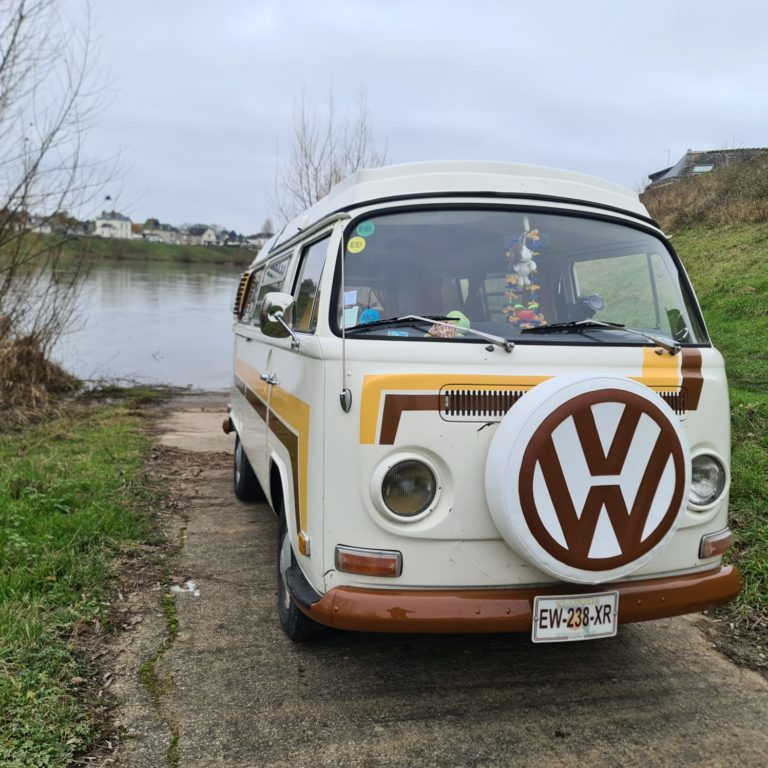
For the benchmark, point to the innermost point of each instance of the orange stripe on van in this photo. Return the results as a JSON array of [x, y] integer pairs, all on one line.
[[660, 372], [291, 416]]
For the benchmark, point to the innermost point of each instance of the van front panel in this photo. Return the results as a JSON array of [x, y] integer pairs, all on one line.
[[399, 412]]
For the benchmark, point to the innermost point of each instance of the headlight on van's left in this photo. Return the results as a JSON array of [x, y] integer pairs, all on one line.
[[707, 480], [408, 488]]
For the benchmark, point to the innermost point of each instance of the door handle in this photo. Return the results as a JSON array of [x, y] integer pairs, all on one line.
[[269, 378]]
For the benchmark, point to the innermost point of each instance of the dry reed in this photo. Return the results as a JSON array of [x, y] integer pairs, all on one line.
[[736, 194]]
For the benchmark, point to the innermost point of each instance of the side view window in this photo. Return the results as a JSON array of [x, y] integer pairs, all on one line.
[[271, 280], [250, 297], [306, 290]]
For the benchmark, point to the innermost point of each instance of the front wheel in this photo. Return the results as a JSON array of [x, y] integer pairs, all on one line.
[[247, 486], [295, 624]]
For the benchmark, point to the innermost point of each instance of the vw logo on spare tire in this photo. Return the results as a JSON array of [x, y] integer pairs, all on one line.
[[586, 477]]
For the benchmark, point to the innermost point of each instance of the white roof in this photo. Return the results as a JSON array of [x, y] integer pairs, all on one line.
[[456, 177]]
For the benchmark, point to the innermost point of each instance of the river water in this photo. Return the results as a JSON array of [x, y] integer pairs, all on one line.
[[154, 322]]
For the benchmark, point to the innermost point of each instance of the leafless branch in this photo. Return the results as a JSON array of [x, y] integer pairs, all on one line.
[[324, 150], [49, 95]]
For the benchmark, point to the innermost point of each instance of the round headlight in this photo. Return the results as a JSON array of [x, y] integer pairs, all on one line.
[[707, 480], [408, 488]]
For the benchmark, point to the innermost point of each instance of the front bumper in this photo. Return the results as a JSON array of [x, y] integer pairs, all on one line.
[[509, 610]]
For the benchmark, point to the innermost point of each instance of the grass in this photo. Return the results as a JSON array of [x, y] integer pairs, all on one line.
[[97, 248], [142, 250], [70, 492], [729, 270], [749, 497]]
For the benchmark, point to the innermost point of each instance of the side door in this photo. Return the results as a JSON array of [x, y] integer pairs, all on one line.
[[253, 352], [297, 397]]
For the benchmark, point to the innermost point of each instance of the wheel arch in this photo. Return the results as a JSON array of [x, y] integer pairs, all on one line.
[[278, 483]]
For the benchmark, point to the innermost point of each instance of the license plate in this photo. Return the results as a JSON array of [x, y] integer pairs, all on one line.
[[574, 617]]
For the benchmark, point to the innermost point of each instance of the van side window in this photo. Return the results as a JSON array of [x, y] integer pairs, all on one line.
[[305, 290], [272, 280], [251, 291]]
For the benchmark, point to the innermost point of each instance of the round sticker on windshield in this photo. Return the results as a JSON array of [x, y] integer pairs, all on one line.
[[356, 244], [366, 229]]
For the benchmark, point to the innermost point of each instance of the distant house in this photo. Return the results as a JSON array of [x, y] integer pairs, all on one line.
[[200, 235], [209, 237], [163, 233], [256, 242], [14, 220], [41, 225], [59, 223], [114, 225], [693, 163]]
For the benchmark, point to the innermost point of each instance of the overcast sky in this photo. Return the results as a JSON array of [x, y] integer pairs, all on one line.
[[202, 93]]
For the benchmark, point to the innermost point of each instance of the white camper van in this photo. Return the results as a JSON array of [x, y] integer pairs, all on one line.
[[480, 397]]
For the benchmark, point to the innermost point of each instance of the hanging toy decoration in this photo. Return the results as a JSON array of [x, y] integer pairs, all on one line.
[[521, 291]]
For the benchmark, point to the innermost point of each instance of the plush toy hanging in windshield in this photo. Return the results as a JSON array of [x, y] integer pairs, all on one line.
[[522, 291]]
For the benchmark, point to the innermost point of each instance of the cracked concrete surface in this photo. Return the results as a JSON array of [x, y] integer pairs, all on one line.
[[243, 695]]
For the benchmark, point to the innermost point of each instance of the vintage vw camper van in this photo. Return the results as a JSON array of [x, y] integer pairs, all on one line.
[[480, 397]]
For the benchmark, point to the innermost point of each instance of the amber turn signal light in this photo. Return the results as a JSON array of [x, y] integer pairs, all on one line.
[[714, 544], [369, 562]]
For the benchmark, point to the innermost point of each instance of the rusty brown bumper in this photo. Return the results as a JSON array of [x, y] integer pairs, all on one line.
[[511, 610]]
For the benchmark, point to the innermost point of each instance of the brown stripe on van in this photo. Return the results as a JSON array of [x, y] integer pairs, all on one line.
[[693, 379], [283, 434], [394, 405], [253, 399], [291, 443]]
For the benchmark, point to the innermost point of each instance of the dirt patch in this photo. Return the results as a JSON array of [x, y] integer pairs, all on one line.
[[742, 642], [136, 627]]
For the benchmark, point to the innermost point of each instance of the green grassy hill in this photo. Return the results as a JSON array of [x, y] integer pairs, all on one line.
[[96, 248], [719, 227]]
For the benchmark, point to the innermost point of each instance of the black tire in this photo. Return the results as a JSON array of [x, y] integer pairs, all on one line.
[[295, 624], [247, 487]]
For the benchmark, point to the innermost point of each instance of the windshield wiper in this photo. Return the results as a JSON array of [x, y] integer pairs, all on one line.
[[404, 320], [498, 341], [576, 326]]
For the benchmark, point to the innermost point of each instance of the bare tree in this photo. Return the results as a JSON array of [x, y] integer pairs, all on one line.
[[47, 98], [324, 150]]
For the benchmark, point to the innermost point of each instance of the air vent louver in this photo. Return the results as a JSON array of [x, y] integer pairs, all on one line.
[[457, 404]]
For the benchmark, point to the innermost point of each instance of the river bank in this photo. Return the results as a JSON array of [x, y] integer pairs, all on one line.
[[95, 249]]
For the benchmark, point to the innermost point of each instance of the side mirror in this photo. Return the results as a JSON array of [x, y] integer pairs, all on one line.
[[276, 316]]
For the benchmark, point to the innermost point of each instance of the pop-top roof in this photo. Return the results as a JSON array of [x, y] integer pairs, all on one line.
[[454, 177]]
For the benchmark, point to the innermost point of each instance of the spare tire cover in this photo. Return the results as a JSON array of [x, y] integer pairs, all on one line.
[[587, 477]]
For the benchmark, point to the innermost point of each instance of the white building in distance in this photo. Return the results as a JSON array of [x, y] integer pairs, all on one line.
[[114, 225]]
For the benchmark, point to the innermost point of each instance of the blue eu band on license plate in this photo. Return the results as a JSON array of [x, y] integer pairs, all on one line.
[[574, 617]]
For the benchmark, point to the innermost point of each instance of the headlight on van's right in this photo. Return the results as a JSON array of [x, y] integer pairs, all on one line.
[[707, 480], [408, 488]]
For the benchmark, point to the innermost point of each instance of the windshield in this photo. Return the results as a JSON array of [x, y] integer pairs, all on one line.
[[502, 272]]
